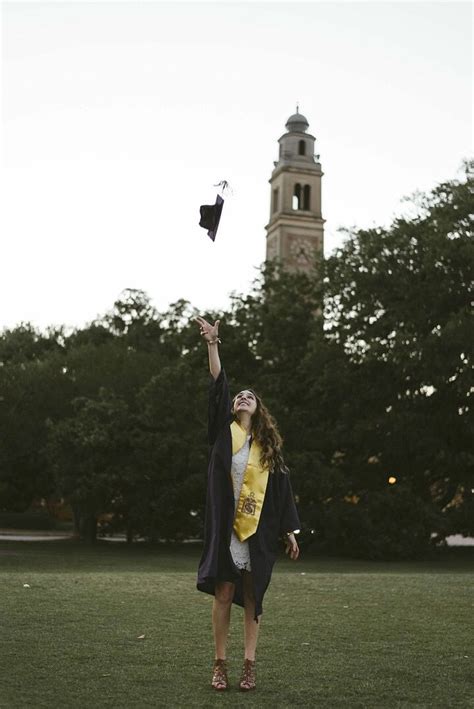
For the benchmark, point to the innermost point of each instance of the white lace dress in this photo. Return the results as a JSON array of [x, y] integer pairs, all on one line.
[[239, 550]]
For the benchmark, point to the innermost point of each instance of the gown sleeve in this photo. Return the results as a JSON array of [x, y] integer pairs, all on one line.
[[289, 519], [220, 407]]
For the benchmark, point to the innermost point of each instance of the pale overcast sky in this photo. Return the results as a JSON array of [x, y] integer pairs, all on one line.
[[118, 117]]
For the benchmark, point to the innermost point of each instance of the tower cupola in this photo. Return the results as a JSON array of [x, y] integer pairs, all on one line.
[[297, 123], [296, 144]]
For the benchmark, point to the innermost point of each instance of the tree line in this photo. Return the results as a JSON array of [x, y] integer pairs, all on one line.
[[363, 359]]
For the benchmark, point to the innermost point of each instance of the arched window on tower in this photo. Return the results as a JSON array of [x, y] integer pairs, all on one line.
[[307, 197], [301, 148], [275, 200], [297, 197]]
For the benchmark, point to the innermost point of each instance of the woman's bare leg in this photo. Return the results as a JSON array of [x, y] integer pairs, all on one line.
[[251, 628], [221, 616]]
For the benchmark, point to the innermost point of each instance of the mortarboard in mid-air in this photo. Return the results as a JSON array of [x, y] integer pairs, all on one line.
[[211, 213], [210, 216]]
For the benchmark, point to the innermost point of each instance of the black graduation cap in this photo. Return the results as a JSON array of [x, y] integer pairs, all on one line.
[[210, 216]]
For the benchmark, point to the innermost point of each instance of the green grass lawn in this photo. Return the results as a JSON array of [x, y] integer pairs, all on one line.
[[335, 633]]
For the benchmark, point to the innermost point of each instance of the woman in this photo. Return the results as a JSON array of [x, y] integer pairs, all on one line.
[[249, 504]]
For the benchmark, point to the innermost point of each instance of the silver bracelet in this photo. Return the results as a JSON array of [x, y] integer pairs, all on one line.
[[213, 342]]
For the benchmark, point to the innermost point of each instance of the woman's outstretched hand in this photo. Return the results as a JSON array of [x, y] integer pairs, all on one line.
[[209, 332], [292, 547]]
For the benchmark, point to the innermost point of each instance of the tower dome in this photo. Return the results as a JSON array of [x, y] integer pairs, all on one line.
[[297, 123]]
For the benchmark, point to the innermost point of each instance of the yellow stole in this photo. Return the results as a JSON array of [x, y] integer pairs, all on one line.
[[254, 485]]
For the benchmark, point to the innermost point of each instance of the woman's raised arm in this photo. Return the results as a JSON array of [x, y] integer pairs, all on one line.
[[211, 334]]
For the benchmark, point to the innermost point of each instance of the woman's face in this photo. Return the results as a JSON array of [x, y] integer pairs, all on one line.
[[245, 401]]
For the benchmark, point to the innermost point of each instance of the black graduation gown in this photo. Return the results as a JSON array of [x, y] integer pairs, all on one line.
[[278, 515]]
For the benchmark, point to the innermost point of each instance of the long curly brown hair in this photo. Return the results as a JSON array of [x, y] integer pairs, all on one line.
[[266, 433]]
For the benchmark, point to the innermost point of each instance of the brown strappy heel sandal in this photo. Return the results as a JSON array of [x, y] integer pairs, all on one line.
[[220, 681], [247, 681]]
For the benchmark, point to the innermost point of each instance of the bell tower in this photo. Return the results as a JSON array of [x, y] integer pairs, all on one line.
[[296, 228]]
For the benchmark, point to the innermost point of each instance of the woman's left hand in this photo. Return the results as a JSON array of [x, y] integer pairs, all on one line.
[[292, 547]]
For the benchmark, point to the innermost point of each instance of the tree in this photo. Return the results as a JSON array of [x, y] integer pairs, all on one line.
[[398, 303], [89, 453], [26, 343], [171, 451], [31, 391]]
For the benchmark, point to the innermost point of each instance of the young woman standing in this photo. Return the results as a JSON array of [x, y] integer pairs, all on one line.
[[249, 506]]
